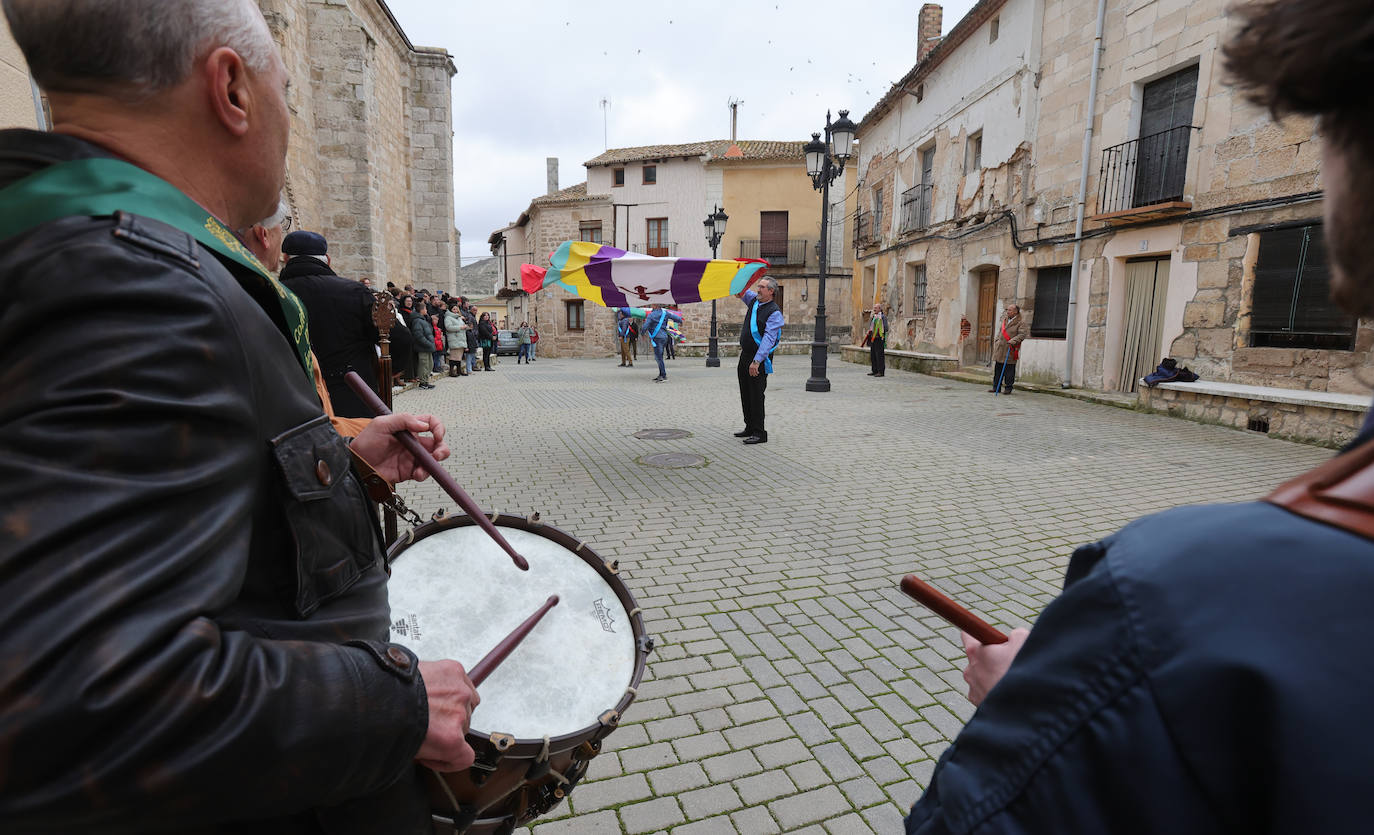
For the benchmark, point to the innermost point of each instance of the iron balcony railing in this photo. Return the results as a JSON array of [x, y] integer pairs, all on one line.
[[1144, 172], [783, 252], [668, 249], [916, 207], [864, 229]]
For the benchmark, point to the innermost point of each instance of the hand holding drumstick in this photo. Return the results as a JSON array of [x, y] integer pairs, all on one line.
[[989, 651]]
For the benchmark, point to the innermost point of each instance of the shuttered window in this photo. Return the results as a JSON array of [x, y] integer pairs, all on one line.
[[1050, 319], [773, 236], [1290, 306]]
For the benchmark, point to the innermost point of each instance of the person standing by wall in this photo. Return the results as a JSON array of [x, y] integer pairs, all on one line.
[[757, 339], [877, 342], [624, 335], [1006, 349]]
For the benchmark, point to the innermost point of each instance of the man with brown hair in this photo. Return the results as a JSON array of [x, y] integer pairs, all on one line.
[[195, 629], [1205, 669]]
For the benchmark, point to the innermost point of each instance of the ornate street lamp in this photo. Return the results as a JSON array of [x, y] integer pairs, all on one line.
[[825, 161], [715, 230]]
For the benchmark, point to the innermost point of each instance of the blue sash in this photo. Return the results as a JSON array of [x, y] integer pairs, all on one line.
[[662, 317], [758, 340]]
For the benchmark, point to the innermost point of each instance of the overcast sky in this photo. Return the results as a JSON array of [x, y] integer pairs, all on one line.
[[532, 76]]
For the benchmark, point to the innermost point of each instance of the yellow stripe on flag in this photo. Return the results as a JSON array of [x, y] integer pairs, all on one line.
[[715, 280]]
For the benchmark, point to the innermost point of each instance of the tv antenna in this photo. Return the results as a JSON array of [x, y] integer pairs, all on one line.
[[605, 132]]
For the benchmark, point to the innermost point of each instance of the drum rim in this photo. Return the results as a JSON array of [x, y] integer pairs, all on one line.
[[579, 548]]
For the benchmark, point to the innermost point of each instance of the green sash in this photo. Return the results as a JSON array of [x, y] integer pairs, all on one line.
[[101, 187]]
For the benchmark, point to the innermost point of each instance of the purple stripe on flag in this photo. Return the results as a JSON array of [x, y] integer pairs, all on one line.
[[608, 251], [599, 275], [686, 281]]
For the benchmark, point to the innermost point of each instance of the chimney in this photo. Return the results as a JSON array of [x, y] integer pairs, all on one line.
[[928, 30], [734, 120], [552, 164]]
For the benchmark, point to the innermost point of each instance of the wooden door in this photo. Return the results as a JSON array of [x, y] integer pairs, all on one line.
[[658, 236], [987, 314]]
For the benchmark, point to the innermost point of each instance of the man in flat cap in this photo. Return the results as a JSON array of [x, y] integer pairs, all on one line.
[[341, 328]]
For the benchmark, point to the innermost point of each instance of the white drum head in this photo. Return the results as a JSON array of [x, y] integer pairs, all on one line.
[[455, 595]]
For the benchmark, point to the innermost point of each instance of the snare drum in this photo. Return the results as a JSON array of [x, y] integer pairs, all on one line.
[[454, 595]]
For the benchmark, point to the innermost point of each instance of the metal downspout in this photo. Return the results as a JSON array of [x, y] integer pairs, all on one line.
[[1082, 197]]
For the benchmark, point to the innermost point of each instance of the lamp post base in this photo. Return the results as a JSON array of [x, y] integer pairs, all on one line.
[[713, 354], [818, 381]]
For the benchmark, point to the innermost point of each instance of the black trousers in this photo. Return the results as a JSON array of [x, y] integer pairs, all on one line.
[[1006, 372], [486, 358], [751, 391], [877, 355]]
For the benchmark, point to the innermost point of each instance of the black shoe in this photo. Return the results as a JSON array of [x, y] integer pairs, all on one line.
[[1007, 391], [756, 439], [992, 391], [748, 433], [881, 374], [426, 385]]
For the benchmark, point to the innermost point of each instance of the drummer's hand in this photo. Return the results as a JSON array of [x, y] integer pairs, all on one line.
[[452, 699], [378, 446], [987, 663]]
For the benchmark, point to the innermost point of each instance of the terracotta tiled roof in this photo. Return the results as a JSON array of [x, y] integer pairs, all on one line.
[[570, 194], [748, 149]]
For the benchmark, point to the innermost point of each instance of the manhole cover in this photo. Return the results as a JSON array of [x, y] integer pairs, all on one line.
[[662, 434], [674, 460]]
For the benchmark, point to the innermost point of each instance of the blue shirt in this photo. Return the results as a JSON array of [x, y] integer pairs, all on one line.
[[772, 329]]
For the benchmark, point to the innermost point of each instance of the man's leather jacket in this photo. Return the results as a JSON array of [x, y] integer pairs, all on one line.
[[192, 635]]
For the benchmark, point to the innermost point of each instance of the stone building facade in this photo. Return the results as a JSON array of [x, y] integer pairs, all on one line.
[[773, 213], [944, 161], [1202, 230], [370, 164]]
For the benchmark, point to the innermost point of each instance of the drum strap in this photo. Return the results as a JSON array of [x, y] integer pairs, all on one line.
[[382, 491], [1339, 493]]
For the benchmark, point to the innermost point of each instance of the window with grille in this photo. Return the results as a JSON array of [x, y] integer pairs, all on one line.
[[575, 312], [1290, 305], [917, 274], [1050, 319]]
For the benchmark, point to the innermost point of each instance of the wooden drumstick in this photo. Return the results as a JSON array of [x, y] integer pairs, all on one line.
[[441, 476], [493, 659], [956, 615]]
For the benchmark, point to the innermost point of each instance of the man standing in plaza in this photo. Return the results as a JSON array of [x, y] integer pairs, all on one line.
[[1006, 349], [342, 332], [656, 327], [624, 333], [758, 339], [195, 623], [1203, 670]]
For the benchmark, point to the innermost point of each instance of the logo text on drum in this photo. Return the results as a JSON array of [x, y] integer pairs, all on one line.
[[603, 615]]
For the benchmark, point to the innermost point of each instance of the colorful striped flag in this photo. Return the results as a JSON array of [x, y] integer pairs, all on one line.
[[615, 278]]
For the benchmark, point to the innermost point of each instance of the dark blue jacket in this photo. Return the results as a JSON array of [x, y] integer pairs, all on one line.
[[1206, 670]]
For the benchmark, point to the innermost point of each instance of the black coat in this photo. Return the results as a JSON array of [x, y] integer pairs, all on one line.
[[341, 329], [195, 616]]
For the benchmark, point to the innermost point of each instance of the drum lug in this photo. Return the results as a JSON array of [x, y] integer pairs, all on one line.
[[610, 720], [589, 749], [490, 757], [646, 644], [612, 567], [439, 515]]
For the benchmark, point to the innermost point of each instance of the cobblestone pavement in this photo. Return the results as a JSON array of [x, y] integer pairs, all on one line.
[[794, 688]]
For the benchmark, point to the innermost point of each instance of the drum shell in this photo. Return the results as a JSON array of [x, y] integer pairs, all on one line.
[[501, 789]]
